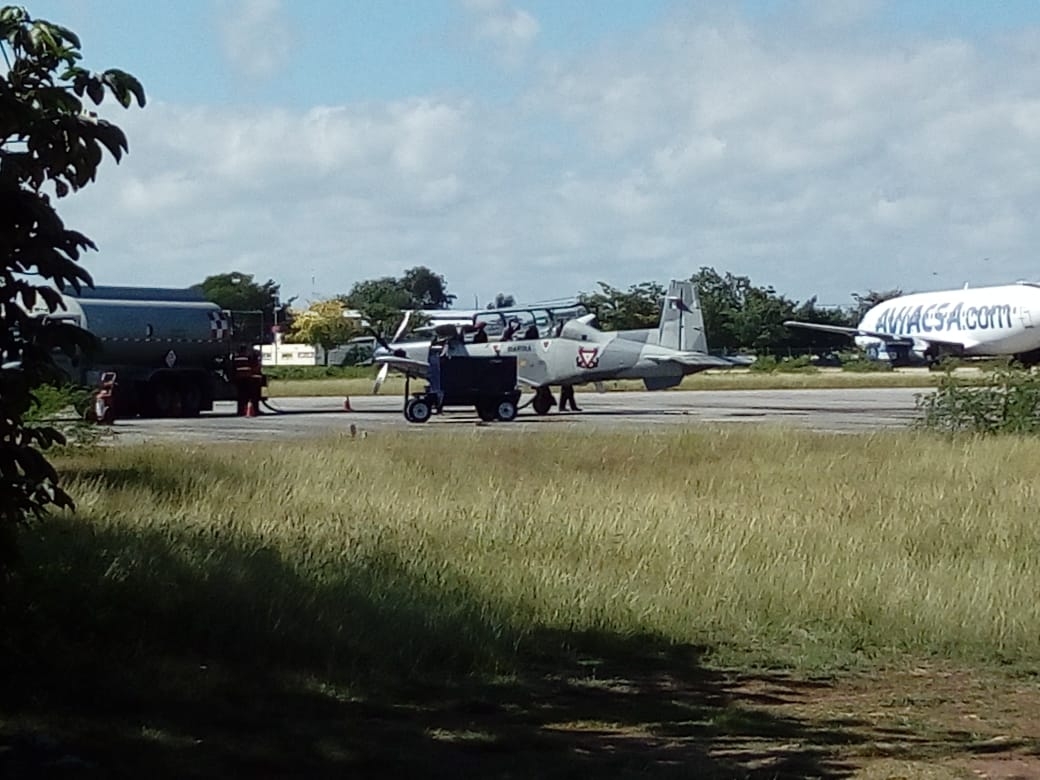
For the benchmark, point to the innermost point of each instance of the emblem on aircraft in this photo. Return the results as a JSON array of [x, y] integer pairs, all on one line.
[[588, 357]]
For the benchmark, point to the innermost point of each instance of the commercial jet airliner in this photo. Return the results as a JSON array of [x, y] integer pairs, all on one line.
[[980, 321]]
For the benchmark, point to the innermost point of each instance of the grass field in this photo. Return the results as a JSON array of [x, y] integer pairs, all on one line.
[[545, 604], [709, 380]]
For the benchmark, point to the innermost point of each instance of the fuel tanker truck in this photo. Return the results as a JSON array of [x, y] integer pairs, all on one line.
[[160, 352]]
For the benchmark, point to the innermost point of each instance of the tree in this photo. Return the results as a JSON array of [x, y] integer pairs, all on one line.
[[257, 304], [382, 300], [427, 289], [739, 315], [323, 323], [868, 300], [502, 301], [639, 307], [49, 147]]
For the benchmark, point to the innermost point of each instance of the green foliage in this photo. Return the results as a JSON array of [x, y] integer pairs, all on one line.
[[764, 364], [868, 300], [859, 364], [382, 300], [64, 406], [427, 289], [256, 306], [788, 365], [639, 307], [50, 400], [1008, 401], [323, 323], [741, 316], [238, 292], [49, 144]]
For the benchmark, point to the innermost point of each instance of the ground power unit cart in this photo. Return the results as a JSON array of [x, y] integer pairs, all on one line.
[[488, 384]]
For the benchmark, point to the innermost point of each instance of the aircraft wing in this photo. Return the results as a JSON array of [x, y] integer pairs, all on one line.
[[888, 338], [405, 365], [850, 332]]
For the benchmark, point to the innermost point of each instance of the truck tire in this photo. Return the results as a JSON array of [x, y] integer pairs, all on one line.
[[163, 398], [505, 411], [191, 400], [487, 411]]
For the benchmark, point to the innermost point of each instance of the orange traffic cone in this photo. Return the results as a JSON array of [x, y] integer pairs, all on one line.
[[346, 404], [250, 409]]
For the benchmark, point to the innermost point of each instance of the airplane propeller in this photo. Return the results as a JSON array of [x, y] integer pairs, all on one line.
[[385, 368]]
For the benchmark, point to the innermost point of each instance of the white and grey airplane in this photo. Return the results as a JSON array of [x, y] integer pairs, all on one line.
[[577, 352], [979, 321]]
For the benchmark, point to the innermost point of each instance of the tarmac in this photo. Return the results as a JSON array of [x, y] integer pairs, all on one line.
[[836, 410]]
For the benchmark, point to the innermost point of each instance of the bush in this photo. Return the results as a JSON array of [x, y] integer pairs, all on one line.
[[51, 401], [765, 363], [1008, 401], [863, 365], [796, 365], [64, 408]]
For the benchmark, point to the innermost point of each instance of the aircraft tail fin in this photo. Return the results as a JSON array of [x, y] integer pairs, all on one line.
[[682, 324]]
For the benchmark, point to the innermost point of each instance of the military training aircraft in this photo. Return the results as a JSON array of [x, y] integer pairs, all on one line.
[[576, 352], [980, 321]]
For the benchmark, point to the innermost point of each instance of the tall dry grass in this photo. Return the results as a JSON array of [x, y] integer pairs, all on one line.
[[459, 551]]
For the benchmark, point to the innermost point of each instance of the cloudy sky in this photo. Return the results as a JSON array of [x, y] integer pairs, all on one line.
[[536, 147]]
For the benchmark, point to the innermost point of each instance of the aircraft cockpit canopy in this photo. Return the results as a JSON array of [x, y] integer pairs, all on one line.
[[545, 319]]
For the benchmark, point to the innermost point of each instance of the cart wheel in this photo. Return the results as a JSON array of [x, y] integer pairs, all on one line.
[[488, 412], [417, 411], [505, 411]]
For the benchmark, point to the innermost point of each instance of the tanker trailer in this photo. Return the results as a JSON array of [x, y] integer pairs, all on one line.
[[171, 350]]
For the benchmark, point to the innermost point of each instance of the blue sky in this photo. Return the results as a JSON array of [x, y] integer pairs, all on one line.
[[538, 147]]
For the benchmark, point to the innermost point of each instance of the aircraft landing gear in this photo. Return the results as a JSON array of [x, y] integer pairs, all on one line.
[[543, 400]]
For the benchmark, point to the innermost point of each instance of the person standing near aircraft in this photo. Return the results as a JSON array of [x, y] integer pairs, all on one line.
[[567, 397]]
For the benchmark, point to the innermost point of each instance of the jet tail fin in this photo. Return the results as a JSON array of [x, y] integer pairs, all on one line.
[[682, 323]]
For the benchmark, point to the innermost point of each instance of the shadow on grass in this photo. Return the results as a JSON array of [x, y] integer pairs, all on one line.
[[154, 654]]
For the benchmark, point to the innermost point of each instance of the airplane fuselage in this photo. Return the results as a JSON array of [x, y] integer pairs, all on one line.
[[556, 361], [1001, 320]]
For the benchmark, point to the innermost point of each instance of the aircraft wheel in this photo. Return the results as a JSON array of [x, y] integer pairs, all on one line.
[[505, 411], [488, 412], [543, 401], [417, 411]]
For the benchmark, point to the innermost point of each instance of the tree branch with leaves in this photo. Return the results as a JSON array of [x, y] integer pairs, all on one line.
[[50, 147]]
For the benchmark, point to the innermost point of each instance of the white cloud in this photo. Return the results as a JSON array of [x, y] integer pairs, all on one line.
[[510, 31], [822, 167], [255, 36]]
